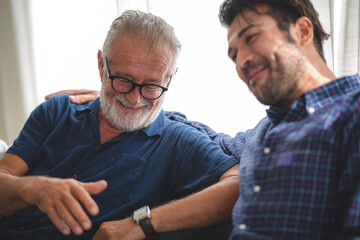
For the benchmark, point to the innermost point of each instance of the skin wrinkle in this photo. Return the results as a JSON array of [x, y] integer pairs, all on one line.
[[147, 50], [138, 60], [255, 14]]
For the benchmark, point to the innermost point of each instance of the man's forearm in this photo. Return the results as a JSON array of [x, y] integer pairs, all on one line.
[[52, 196], [12, 168], [209, 206], [11, 201]]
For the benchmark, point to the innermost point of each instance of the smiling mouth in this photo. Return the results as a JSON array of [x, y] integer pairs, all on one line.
[[253, 76], [129, 109]]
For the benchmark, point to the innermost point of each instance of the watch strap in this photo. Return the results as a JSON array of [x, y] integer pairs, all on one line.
[[147, 228]]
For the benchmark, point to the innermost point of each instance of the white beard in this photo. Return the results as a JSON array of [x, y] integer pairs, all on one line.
[[125, 121]]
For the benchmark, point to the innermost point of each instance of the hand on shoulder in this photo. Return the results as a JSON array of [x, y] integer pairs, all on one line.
[[77, 96]]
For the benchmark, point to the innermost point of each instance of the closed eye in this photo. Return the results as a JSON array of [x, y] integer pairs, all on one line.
[[250, 37], [151, 86], [122, 80], [233, 57]]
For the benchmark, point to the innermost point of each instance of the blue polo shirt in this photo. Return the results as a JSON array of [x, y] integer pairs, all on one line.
[[151, 166]]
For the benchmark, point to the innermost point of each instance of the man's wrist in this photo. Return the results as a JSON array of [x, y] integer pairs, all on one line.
[[142, 217], [137, 232]]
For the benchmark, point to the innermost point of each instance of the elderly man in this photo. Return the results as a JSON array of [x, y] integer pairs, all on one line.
[[106, 162]]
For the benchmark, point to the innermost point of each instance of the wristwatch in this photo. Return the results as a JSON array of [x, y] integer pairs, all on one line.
[[142, 217]]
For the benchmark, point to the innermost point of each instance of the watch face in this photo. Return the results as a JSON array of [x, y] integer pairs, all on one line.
[[141, 213]]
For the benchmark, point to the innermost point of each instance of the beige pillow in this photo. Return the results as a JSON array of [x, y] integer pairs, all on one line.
[[3, 148]]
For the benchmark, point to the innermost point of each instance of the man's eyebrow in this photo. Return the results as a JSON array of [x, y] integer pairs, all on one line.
[[121, 74], [131, 78], [242, 32]]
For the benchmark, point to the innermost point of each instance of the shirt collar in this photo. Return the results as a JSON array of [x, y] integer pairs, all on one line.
[[314, 100], [155, 128], [94, 106]]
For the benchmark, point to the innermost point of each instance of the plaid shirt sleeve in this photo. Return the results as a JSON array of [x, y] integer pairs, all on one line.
[[231, 146]]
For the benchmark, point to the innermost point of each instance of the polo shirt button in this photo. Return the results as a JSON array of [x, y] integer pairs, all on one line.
[[267, 150], [257, 188], [98, 148], [242, 226], [311, 110], [75, 176]]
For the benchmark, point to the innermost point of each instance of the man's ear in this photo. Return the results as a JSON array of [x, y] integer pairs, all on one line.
[[100, 65], [304, 31]]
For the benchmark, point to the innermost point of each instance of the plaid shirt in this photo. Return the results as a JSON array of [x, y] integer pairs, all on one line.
[[300, 169]]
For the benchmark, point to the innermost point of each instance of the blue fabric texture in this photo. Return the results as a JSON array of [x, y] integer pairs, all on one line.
[[300, 169], [151, 166]]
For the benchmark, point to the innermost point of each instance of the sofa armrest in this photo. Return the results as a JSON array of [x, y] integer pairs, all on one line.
[[219, 231]]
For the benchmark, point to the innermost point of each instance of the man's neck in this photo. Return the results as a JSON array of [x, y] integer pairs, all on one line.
[[107, 130], [320, 65], [313, 77]]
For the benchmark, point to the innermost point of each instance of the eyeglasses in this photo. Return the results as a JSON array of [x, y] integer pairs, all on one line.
[[123, 85]]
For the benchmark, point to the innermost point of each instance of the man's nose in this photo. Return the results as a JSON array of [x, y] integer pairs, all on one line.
[[243, 58], [134, 97]]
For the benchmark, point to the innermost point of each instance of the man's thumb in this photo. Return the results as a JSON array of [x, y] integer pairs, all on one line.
[[95, 187]]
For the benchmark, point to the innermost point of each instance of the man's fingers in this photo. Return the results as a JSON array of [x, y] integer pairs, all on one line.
[[65, 203], [95, 187], [70, 92], [65, 213], [84, 98], [53, 216], [74, 92], [83, 195], [76, 210]]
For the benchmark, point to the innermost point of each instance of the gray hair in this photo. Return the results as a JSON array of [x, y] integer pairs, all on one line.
[[152, 30]]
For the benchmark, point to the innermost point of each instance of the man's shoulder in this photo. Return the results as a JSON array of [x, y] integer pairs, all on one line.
[[338, 98], [350, 100], [182, 119], [56, 108], [59, 102], [182, 126], [351, 106]]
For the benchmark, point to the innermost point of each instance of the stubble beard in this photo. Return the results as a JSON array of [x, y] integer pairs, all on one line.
[[284, 75]]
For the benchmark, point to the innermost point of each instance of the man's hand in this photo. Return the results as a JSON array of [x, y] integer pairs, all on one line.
[[77, 96], [207, 207], [61, 200], [122, 229]]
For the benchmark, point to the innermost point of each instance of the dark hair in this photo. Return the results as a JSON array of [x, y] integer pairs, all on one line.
[[285, 12]]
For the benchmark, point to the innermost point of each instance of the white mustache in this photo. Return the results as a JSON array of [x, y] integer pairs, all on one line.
[[122, 99]]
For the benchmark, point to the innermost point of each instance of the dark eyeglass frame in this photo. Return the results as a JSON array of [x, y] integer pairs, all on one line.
[[134, 84]]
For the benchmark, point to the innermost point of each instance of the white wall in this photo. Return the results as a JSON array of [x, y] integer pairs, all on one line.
[[61, 46], [16, 72], [206, 87]]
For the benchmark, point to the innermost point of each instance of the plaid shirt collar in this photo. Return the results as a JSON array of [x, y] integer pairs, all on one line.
[[314, 100]]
